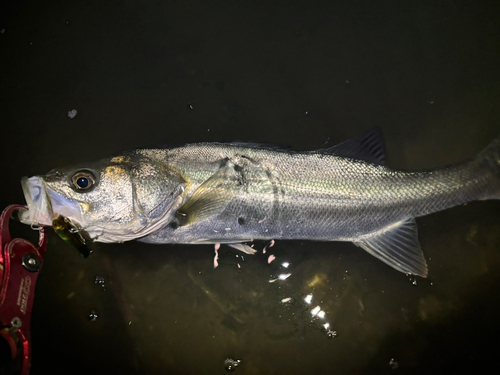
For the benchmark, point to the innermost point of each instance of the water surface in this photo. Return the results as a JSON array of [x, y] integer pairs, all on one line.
[[144, 74]]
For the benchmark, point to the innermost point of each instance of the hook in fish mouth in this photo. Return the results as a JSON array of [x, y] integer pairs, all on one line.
[[71, 234]]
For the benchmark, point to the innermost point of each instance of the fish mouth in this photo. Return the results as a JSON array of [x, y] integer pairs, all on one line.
[[39, 211], [44, 204]]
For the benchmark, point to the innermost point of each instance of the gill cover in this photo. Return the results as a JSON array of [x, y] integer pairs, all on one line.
[[134, 197]]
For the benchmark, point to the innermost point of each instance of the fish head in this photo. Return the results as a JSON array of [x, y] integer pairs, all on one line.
[[112, 200]]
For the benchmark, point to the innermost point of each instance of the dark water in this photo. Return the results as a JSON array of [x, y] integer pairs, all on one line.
[[147, 73]]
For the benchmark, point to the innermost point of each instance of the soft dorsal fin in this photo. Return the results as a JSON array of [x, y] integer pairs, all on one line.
[[368, 146], [397, 246]]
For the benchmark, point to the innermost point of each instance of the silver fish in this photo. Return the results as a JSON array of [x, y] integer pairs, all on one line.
[[210, 193]]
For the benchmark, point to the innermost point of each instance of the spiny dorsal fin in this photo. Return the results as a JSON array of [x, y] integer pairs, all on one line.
[[368, 146], [397, 246]]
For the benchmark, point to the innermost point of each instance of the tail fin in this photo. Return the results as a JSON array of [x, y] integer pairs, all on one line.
[[490, 157]]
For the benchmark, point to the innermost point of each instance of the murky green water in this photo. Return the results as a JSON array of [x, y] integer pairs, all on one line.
[[143, 74]]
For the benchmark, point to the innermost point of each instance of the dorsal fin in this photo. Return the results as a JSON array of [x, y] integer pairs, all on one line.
[[368, 146]]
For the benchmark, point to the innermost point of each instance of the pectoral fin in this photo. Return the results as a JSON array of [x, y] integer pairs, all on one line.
[[213, 196], [397, 246]]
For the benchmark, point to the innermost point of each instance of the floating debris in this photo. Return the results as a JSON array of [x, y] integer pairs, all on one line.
[[72, 113], [217, 247], [271, 258], [270, 244]]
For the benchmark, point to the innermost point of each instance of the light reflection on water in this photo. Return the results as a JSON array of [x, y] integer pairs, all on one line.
[[282, 273]]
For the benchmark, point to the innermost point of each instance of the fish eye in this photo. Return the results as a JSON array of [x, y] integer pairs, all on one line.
[[83, 180]]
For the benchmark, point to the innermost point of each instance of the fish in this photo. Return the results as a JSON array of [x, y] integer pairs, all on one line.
[[235, 193]]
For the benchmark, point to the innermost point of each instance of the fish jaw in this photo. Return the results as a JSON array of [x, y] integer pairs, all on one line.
[[44, 204]]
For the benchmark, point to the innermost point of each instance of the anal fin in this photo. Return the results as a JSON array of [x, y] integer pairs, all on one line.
[[397, 246]]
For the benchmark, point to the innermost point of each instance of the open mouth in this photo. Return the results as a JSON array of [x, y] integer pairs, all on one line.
[[39, 209], [48, 208]]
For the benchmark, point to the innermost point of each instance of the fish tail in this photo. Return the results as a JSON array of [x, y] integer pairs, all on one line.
[[490, 159]]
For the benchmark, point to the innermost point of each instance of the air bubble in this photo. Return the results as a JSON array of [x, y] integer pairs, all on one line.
[[93, 315], [100, 281], [331, 334], [231, 364], [394, 365]]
